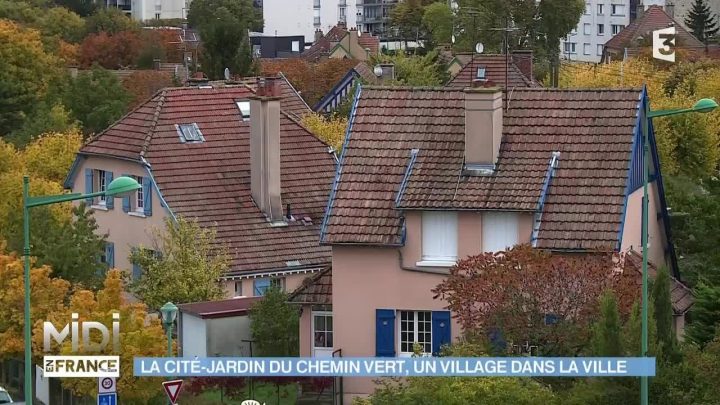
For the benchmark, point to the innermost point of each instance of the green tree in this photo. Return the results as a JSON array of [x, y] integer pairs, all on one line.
[[110, 20], [702, 21], [413, 70], [45, 120], [275, 325], [406, 18], [183, 265], [438, 18], [607, 333], [223, 26], [64, 24], [81, 7], [96, 99], [663, 313], [705, 314]]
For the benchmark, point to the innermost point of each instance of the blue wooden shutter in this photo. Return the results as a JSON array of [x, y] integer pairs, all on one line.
[[88, 185], [147, 195], [110, 254], [126, 200], [385, 333], [109, 200], [440, 330]]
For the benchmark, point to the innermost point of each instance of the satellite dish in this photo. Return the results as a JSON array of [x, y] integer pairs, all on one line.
[[377, 70], [479, 48], [227, 74], [452, 38]]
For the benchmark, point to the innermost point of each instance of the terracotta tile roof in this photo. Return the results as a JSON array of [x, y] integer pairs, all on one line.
[[316, 289], [592, 130], [494, 71], [369, 41], [336, 33], [291, 101], [653, 18], [326, 43], [366, 73], [681, 296], [211, 180], [220, 309]]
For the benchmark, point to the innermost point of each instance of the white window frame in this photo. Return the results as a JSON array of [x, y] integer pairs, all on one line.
[[244, 107], [600, 9], [600, 50], [616, 28], [325, 331], [100, 186], [587, 28], [238, 291], [295, 47], [601, 29], [139, 196], [572, 46], [415, 332], [614, 12], [507, 224], [588, 8], [586, 49], [439, 227]]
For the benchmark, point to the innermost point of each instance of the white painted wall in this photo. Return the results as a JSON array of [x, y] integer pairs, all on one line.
[[193, 336], [588, 44], [226, 335], [683, 7], [143, 10], [296, 17]]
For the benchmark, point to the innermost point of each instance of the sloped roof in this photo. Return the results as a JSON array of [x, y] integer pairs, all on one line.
[[495, 71], [326, 43], [680, 295], [592, 130], [654, 18], [366, 73], [211, 180], [369, 41], [291, 102], [220, 309], [316, 289]]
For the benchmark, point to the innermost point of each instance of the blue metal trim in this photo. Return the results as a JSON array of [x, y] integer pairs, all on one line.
[[330, 95], [70, 178], [406, 177], [157, 189], [637, 147], [543, 194], [338, 170]]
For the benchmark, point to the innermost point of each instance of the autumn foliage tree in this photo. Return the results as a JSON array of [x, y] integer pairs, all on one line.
[[142, 84], [111, 51], [311, 80], [330, 130], [529, 295]]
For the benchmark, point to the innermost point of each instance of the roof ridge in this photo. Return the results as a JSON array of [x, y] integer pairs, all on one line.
[[282, 75], [153, 125], [537, 89], [297, 122]]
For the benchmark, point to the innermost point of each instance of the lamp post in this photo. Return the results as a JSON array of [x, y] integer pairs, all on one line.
[[117, 188], [169, 313], [703, 106]]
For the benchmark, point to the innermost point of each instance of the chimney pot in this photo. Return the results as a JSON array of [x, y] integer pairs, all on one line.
[[483, 128]]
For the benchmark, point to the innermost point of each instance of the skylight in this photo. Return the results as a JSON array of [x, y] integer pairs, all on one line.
[[481, 72], [244, 107], [189, 133]]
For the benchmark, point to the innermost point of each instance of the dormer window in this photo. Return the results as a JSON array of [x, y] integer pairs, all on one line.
[[189, 133], [244, 107], [481, 73]]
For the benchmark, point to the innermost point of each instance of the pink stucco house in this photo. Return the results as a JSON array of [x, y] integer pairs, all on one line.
[[429, 176], [234, 156]]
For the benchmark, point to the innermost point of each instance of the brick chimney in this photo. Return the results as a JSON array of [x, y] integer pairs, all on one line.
[[483, 127], [318, 34], [523, 59], [670, 9], [265, 150]]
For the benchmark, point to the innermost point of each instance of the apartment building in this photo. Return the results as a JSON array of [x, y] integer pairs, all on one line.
[[601, 20], [304, 17], [374, 16], [143, 10]]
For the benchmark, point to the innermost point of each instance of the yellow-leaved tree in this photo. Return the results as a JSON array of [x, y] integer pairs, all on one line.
[[330, 130]]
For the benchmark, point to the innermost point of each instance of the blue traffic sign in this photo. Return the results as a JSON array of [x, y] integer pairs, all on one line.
[[107, 399]]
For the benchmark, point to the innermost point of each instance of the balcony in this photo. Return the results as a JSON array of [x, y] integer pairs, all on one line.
[[316, 3]]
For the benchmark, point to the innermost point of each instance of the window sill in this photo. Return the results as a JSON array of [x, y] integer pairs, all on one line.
[[136, 214], [435, 263], [99, 207]]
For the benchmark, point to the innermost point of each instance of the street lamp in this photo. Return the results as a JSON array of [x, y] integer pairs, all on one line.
[[169, 313], [703, 106], [117, 188]]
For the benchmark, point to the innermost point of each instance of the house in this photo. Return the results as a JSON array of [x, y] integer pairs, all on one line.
[[429, 176], [314, 296], [360, 73], [215, 328], [679, 9], [283, 18], [600, 22], [340, 42], [639, 34], [374, 16], [271, 47], [516, 69], [231, 155]]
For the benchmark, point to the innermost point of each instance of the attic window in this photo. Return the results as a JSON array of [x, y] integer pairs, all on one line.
[[244, 107], [481, 72], [189, 133]]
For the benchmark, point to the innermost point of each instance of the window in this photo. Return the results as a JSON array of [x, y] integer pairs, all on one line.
[[616, 28], [238, 288], [316, 17], [244, 107], [570, 47], [586, 49], [157, 16], [601, 29], [415, 327], [341, 14], [101, 185], [108, 257], [139, 196], [481, 73], [295, 46], [587, 8], [316, 3], [586, 29], [322, 330], [261, 285], [189, 133], [600, 9], [573, 31], [439, 238], [617, 9], [599, 50], [499, 231]]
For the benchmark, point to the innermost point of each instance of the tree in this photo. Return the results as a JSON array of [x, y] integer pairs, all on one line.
[[662, 305], [438, 18], [414, 70], [705, 314], [142, 84], [406, 19], [223, 25], [702, 21], [330, 130], [46, 119], [275, 325], [110, 21], [62, 23], [111, 51], [607, 333], [81, 7], [183, 265], [27, 69], [96, 99], [532, 296]]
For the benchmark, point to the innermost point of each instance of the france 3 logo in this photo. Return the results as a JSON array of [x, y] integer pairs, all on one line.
[[664, 44]]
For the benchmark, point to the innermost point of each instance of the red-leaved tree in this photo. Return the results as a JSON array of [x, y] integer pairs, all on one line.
[[110, 51], [530, 298]]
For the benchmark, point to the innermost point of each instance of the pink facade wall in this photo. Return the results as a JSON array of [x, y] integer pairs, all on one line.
[[292, 282], [306, 337], [632, 232]]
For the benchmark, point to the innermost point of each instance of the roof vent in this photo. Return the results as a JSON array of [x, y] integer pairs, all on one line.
[[292, 263], [307, 221]]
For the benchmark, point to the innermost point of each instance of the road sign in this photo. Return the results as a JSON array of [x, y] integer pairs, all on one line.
[[172, 389], [107, 399], [106, 385]]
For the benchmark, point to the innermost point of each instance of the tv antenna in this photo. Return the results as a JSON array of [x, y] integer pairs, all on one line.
[[479, 47], [227, 74]]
